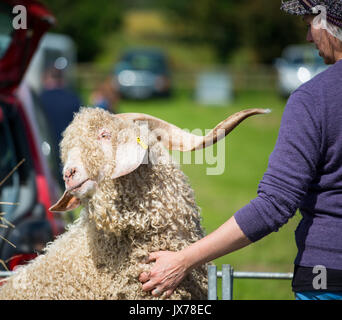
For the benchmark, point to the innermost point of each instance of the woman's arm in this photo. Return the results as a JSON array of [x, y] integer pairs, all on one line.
[[171, 267], [292, 166]]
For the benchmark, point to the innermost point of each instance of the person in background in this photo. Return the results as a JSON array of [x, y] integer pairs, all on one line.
[[106, 96], [304, 172], [58, 102]]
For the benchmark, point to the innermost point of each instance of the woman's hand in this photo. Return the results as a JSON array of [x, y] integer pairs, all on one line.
[[171, 267], [169, 270]]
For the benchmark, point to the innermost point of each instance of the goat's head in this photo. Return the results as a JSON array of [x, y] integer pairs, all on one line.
[[98, 145]]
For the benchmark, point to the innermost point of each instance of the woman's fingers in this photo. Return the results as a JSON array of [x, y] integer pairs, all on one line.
[[167, 272], [156, 292], [162, 292], [149, 285], [153, 256], [144, 276], [168, 293]]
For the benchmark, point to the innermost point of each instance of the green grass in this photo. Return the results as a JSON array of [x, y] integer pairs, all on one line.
[[247, 150]]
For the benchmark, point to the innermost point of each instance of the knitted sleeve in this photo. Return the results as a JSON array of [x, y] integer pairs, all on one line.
[[291, 168]]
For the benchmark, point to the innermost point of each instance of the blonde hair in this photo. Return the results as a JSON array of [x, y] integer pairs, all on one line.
[[321, 22]]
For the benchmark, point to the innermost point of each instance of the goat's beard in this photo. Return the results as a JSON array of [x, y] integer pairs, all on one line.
[[146, 204], [115, 207], [102, 209]]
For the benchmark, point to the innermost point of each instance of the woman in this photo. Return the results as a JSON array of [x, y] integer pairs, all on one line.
[[304, 171]]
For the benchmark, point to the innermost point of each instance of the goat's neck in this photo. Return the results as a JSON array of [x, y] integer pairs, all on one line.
[[150, 203]]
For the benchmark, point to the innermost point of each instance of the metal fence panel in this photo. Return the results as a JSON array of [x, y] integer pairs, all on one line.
[[212, 282], [227, 282], [228, 274], [4, 274]]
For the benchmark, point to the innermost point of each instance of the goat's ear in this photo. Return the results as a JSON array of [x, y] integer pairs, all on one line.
[[66, 203], [129, 156]]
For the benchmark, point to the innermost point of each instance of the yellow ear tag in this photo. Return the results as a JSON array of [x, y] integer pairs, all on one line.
[[141, 143]]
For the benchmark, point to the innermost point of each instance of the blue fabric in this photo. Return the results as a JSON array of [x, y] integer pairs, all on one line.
[[317, 295], [59, 105], [304, 172]]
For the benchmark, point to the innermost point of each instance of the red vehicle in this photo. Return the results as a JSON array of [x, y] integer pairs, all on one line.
[[22, 136]]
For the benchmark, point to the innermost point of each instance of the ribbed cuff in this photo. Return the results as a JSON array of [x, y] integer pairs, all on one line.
[[251, 223]]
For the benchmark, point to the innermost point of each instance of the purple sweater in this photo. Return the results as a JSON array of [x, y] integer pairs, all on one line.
[[305, 172]]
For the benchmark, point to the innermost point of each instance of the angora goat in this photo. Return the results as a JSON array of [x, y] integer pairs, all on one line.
[[136, 200]]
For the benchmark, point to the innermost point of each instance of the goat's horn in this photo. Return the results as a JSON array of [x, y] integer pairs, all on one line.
[[175, 138]]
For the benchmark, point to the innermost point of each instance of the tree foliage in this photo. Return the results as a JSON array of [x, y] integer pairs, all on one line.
[[230, 24], [226, 25], [268, 29], [86, 21]]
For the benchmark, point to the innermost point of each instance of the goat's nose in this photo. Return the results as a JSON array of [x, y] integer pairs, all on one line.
[[69, 173]]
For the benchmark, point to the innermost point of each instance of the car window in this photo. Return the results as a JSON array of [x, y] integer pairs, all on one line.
[[6, 28], [145, 62], [9, 190]]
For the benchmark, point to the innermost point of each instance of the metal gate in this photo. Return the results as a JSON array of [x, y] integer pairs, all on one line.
[[4, 274], [228, 275]]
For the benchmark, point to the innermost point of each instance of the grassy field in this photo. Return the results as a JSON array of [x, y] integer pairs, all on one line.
[[246, 156]]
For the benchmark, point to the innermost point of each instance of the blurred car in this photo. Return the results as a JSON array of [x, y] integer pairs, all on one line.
[[142, 74], [54, 50], [298, 64], [33, 186]]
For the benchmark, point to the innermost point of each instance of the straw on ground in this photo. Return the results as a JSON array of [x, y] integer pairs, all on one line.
[[4, 223]]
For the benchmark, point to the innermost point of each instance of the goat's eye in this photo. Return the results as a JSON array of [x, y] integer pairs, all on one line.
[[105, 135]]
